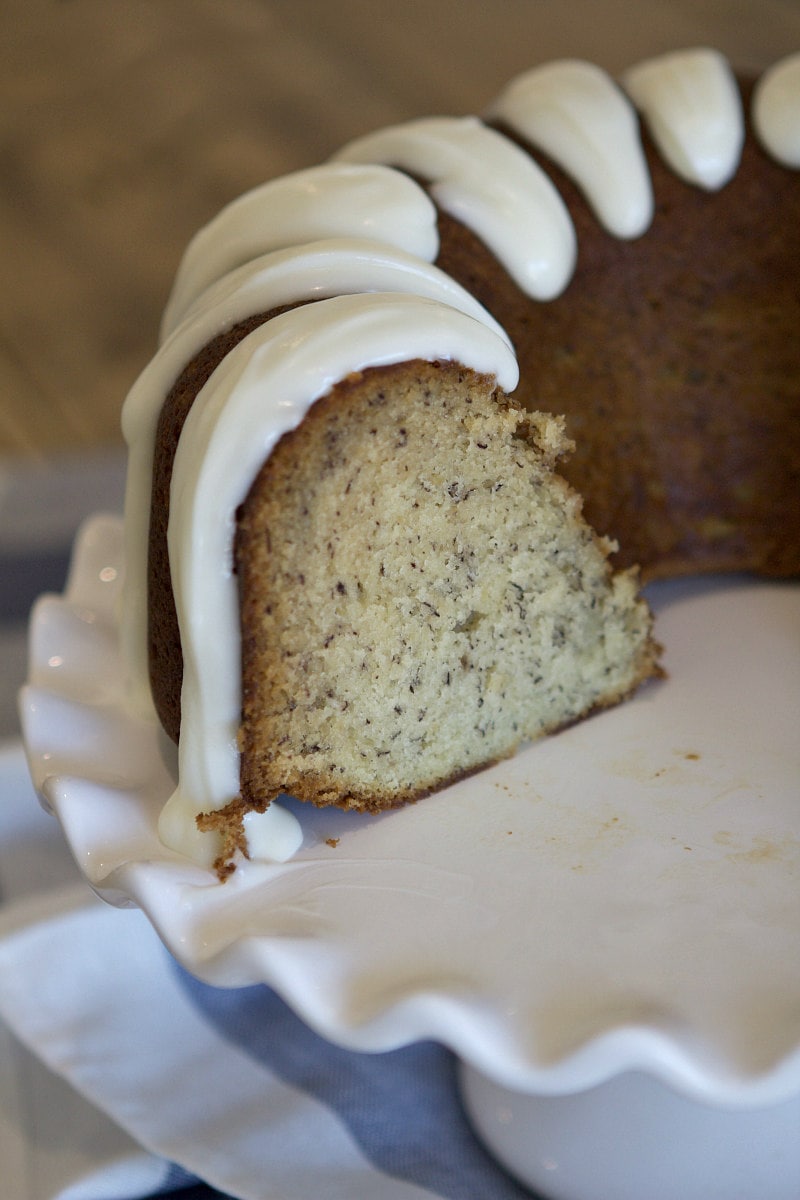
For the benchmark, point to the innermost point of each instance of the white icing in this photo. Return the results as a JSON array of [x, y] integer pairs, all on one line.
[[274, 835], [490, 185], [776, 111], [316, 270], [262, 389], [576, 114], [334, 266], [691, 103], [328, 201]]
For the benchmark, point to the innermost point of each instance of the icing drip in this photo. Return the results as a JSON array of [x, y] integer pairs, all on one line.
[[776, 111], [334, 266], [577, 115], [693, 110], [328, 201], [491, 186], [262, 389]]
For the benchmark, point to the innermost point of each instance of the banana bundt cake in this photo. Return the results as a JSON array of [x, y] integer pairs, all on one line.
[[421, 414]]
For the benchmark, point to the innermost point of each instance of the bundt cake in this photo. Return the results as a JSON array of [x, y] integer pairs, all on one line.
[[357, 565]]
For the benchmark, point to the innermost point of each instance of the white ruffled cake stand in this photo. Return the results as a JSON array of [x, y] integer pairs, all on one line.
[[605, 929]]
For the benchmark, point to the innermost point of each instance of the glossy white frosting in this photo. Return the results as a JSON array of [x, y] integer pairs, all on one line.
[[488, 184], [368, 201], [776, 111], [576, 114], [691, 103], [262, 389], [360, 239]]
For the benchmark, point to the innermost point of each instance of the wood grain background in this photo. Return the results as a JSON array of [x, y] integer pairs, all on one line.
[[125, 124]]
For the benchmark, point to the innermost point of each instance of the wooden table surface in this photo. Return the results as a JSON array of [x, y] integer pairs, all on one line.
[[125, 124]]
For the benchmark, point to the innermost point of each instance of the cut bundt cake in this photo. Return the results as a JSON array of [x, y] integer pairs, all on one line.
[[362, 590], [357, 559]]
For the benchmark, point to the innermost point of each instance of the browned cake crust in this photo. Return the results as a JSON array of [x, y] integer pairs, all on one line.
[[676, 360]]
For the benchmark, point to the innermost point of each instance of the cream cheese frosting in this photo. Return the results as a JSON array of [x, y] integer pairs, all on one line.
[[577, 115], [692, 107], [776, 111], [491, 186], [367, 201]]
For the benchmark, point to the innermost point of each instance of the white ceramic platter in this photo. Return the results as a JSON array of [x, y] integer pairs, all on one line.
[[623, 895]]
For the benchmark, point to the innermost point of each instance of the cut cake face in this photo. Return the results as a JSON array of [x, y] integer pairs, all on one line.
[[420, 593]]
